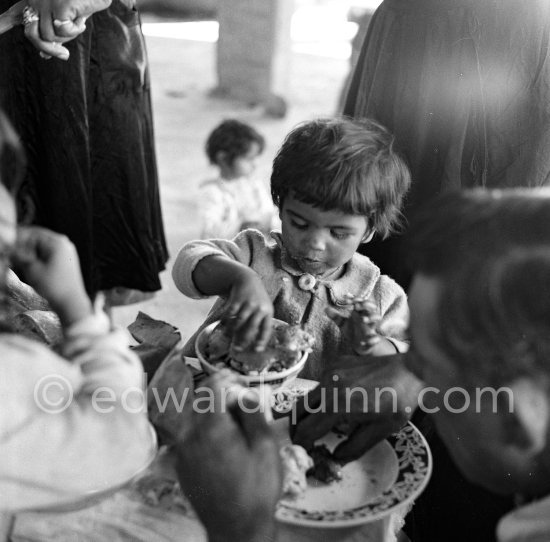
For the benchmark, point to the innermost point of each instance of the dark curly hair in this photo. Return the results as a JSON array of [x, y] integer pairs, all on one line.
[[491, 252], [234, 138], [344, 164]]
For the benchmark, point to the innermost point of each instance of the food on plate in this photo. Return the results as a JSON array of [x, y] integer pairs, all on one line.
[[162, 492], [325, 468], [285, 347], [296, 463]]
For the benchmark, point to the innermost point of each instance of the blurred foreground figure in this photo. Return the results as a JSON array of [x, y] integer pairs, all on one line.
[[57, 446], [478, 364], [85, 121], [465, 87]]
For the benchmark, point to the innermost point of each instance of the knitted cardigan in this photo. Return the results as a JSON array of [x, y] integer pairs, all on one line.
[[292, 303]]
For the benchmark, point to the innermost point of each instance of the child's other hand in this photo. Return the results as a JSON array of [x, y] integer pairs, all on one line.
[[249, 312], [48, 262], [359, 328]]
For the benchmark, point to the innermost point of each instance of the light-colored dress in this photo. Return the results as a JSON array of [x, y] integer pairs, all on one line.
[[227, 207], [56, 443]]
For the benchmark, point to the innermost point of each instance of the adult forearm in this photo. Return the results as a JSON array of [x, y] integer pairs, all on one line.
[[259, 527]]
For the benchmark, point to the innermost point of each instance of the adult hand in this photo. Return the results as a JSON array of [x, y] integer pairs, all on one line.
[[170, 399], [249, 311], [60, 21], [48, 262], [373, 397], [229, 467]]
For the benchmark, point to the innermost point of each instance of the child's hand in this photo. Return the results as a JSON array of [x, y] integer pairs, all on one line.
[[49, 263], [249, 312], [359, 328]]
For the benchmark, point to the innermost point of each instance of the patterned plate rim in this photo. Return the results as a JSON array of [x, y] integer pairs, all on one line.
[[414, 470]]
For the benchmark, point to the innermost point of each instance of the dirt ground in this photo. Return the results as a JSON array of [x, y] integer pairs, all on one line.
[[183, 74]]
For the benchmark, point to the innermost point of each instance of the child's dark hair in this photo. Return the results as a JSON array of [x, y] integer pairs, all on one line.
[[234, 138], [344, 164]]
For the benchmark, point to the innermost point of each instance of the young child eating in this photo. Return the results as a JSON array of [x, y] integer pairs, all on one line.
[[336, 182]]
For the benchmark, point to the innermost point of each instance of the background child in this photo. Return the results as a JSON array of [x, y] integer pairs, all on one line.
[[235, 200], [335, 182]]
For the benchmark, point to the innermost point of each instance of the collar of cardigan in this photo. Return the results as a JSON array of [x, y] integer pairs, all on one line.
[[359, 277]]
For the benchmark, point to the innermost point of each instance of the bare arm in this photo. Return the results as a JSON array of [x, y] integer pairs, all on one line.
[[229, 468], [216, 275]]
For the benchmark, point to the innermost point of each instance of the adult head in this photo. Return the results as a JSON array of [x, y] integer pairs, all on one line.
[[480, 330], [480, 318]]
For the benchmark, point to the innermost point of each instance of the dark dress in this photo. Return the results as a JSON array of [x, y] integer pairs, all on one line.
[[465, 87], [86, 125]]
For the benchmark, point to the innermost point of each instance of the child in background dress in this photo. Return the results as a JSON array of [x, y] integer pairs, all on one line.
[[235, 200], [336, 182]]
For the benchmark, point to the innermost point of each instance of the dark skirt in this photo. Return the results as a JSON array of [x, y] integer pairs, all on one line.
[[465, 87], [86, 125]]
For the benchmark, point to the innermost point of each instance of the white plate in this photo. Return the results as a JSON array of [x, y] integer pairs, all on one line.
[[386, 478]]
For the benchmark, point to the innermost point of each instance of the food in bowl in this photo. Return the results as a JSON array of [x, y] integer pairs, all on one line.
[[285, 348]]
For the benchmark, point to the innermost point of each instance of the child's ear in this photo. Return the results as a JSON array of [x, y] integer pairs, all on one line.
[[368, 236], [527, 421]]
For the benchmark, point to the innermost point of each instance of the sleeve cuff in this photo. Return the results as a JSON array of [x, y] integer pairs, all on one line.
[[97, 323]]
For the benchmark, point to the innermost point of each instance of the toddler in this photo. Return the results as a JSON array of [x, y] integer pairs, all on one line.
[[336, 182], [235, 200]]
